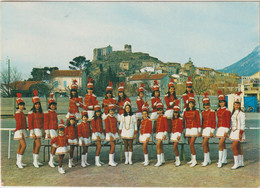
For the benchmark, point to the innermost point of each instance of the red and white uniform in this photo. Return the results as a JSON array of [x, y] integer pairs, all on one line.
[[35, 123], [62, 144], [208, 122], [154, 102], [186, 97], [105, 104], [84, 133], [161, 127], [72, 134], [224, 116], [128, 126], [237, 126], [74, 104], [140, 103], [51, 123], [89, 104], [146, 130], [177, 128], [97, 129], [192, 123], [169, 103], [111, 127], [21, 125]]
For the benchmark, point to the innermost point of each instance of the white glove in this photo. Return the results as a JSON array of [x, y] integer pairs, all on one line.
[[77, 104], [171, 103], [90, 107]]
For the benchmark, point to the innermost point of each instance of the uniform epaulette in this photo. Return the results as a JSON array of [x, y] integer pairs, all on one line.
[[184, 94], [212, 110], [94, 95], [114, 98], [152, 97], [79, 97], [166, 95], [46, 112], [30, 112], [18, 111], [180, 118], [227, 109]]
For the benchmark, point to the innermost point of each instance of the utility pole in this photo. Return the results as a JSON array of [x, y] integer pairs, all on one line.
[[8, 78]]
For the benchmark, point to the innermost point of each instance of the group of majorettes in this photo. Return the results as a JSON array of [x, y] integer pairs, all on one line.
[[126, 124]]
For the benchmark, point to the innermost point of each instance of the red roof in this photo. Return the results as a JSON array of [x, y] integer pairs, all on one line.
[[70, 73], [146, 76], [23, 85]]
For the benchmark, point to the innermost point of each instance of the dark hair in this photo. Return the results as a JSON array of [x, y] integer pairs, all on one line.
[[204, 105], [221, 101], [61, 129], [68, 123], [169, 94], [86, 115], [154, 92], [34, 109], [109, 91], [123, 98], [54, 104], [160, 108], [187, 91], [234, 109], [21, 103], [130, 113], [188, 108], [95, 115], [139, 93], [76, 95], [178, 115]]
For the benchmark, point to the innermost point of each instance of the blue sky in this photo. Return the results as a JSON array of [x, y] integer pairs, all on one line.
[[53, 33]]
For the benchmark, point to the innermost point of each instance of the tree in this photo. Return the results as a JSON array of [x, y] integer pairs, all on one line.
[[39, 74], [80, 63], [8, 86]]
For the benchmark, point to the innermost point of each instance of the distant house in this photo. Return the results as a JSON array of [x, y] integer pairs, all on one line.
[[204, 71], [147, 69], [163, 80], [173, 68], [148, 63], [250, 85], [124, 65], [24, 87], [62, 79]]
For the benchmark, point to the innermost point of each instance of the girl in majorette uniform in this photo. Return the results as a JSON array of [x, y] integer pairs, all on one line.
[[111, 133], [170, 98], [35, 123], [75, 102], [97, 132], [20, 130], [128, 131], [90, 99], [155, 99], [51, 126], [140, 103], [61, 142], [109, 99], [177, 128], [224, 116], [72, 134], [146, 132], [188, 93], [209, 125], [84, 137], [191, 117], [122, 98], [161, 134], [237, 134]]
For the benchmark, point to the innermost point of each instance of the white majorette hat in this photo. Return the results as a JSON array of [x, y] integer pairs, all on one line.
[[36, 98], [111, 106], [237, 97], [90, 84], [19, 98], [110, 86], [176, 106], [205, 99], [189, 82], [127, 103], [61, 125]]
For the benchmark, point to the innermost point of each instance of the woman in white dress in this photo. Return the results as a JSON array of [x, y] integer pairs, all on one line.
[[128, 131], [237, 132]]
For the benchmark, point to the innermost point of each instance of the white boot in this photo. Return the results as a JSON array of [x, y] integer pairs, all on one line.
[[113, 158], [205, 162], [130, 157], [235, 163], [70, 163], [21, 160], [220, 158], [19, 164], [35, 164], [146, 160], [224, 159], [37, 157], [51, 161], [100, 162], [17, 158], [208, 158], [190, 159], [86, 159], [159, 160], [97, 161], [83, 164], [110, 163], [162, 158], [126, 157], [194, 162], [177, 162], [241, 160], [60, 170]]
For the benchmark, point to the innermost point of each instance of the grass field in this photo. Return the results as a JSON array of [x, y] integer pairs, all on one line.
[[136, 175]]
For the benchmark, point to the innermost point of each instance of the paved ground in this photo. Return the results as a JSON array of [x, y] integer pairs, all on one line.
[[136, 175]]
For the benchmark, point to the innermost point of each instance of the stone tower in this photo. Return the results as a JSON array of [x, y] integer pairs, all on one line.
[[98, 52], [128, 48]]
